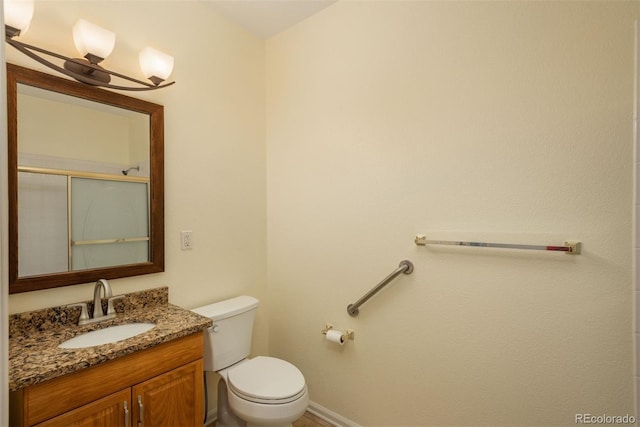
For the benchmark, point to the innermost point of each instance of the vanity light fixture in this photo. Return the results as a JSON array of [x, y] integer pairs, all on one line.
[[94, 44], [17, 16], [155, 65]]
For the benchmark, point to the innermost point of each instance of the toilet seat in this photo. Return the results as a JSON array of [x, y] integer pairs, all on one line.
[[267, 380]]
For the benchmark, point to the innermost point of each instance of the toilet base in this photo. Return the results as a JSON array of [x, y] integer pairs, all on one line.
[[226, 417], [256, 414], [268, 415]]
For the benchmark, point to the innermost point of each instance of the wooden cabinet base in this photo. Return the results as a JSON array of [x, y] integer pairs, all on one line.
[[168, 379]]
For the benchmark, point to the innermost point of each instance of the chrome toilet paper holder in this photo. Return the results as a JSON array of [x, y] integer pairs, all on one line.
[[349, 333]]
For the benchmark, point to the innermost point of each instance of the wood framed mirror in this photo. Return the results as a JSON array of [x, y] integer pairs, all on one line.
[[86, 183]]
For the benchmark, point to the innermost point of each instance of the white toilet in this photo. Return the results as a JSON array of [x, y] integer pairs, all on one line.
[[263, 391]]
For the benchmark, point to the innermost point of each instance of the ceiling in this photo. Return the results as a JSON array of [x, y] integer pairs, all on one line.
[[266, 18]]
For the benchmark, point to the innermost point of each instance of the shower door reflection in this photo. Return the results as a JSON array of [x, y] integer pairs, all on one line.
[[109, 223]]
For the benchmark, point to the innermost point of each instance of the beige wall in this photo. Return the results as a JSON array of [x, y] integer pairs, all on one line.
[[473, 120], [214, 142], [214, 145], [51, 128], [495, 121]]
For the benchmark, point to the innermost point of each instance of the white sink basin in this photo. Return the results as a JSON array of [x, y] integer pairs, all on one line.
[[107, 335]]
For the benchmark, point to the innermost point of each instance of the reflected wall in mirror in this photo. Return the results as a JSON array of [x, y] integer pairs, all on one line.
[[85, 183]]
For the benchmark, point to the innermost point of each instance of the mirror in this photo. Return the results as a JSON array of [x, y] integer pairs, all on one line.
[[86, 183]]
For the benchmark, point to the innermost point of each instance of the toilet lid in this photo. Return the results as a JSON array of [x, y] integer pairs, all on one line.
[[267, 380]]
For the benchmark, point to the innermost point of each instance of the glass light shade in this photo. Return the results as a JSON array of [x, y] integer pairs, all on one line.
[[155, 63], [18, 14], [92, 39]]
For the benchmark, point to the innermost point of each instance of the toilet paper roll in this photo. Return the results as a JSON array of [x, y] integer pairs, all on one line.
[[336, 337]]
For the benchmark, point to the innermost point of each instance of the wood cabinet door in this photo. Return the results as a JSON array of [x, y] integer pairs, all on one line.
[[110, 411], [173, 399]]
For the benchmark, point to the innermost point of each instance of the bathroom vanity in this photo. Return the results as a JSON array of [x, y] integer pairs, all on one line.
[[151, 379]]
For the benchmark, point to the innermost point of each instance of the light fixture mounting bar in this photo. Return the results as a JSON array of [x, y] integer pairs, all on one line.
[[10, 31], [30, 50]]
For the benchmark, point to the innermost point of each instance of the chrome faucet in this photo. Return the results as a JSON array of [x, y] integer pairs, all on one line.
[[98, 313], [97, 300]]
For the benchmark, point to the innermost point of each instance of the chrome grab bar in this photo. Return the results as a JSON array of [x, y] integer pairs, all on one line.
[[405, 267]]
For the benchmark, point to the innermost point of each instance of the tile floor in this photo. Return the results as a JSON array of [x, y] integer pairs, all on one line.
[[307, 420], [310, 420]]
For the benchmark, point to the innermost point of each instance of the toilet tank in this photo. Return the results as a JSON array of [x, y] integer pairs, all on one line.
[[228, 341]]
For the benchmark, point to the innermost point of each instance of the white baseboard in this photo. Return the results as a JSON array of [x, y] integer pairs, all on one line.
[[314, 408], [330, 416]]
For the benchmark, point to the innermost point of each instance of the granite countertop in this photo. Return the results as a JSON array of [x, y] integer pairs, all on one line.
[[34, 337]]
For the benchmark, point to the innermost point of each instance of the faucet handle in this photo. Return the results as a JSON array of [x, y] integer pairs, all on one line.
[[110, 308], [84, 313]]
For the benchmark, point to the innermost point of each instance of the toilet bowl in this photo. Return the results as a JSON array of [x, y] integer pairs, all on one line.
[[263, 391], [266, 391]]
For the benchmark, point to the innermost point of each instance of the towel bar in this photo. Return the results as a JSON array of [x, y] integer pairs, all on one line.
[[570, 247]]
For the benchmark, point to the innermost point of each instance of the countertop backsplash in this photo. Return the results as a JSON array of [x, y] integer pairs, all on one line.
[[55, 317]]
